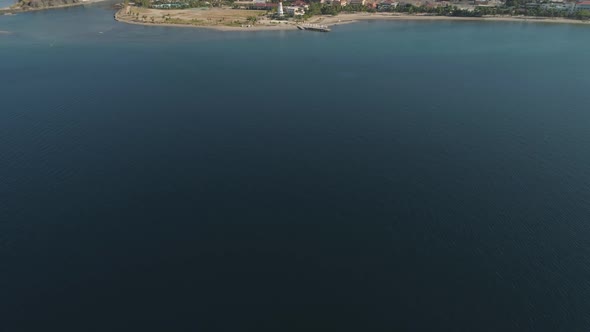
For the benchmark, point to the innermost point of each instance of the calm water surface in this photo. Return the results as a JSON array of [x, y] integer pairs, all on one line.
[[387, 176], [6, 3]]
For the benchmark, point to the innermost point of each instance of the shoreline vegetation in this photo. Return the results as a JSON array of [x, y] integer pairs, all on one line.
[[228, 19], [223, 19]]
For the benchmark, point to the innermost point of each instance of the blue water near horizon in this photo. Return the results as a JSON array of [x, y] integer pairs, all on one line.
[[386, 176], [6, 3]]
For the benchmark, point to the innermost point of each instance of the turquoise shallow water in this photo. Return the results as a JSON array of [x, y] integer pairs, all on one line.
[[386, 176]]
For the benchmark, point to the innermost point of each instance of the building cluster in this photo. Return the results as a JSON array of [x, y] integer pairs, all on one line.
[[296, 8], [299, 7], [570, 6], [384, 4], [560, 5]]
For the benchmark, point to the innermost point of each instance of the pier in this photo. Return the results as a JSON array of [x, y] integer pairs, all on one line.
[[313, 27]]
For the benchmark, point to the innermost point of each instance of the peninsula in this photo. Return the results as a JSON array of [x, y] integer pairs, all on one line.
[[256, 15]]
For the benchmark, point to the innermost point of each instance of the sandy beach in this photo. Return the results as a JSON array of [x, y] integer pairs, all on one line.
[[355, 17], [236, 20]]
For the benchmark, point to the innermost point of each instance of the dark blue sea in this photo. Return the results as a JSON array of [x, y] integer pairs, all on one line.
[[386, 176]]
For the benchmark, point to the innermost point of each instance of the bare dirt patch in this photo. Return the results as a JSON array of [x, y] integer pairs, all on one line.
[[222, 17]]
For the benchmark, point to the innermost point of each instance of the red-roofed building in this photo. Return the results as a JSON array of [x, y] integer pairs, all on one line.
[[584, 5]]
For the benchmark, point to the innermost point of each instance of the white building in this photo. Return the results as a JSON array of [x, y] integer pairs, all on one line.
[[280, 9], [295, 10], [387, 4], [561, 6], [339, 2]]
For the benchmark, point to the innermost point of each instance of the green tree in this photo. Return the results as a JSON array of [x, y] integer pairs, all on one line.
[[583, 14], [513, 3], [329, 10]]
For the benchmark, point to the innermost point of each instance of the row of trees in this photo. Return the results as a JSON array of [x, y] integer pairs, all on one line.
[[438, 11], [316, 8], [481, 11], [518, 8], [538, 11], [323, 9], [182, 3]]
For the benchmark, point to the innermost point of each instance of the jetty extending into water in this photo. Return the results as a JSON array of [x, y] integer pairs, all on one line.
[[313, 27]]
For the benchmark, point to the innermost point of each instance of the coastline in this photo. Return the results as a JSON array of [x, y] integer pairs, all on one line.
[[329, 21], [123, 16], [15, 10], [211, 27], [355, 17]]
